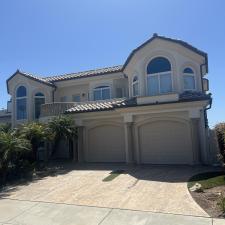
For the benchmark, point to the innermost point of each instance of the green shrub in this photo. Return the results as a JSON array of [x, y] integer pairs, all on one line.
[[12, 151], [61, 128], [220, 133], [35, 133]]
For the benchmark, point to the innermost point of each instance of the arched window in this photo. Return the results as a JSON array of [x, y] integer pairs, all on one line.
[[39, 99], [135, 86], [189, 79], [159, 76], [21, 103], [101, 93]]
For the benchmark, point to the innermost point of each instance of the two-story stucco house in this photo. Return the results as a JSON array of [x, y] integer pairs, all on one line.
[[152, 109]]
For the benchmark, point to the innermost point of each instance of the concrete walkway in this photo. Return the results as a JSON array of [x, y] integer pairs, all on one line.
[[18, 212]]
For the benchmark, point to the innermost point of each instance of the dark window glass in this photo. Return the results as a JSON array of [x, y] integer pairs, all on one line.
[[38, 102], [21, 109], [188, 70], [158, 65], [21, 92], [39, 99], [39, 94]]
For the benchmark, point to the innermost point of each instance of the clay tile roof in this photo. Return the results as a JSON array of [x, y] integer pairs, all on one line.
[[83, 74], [101, 105]]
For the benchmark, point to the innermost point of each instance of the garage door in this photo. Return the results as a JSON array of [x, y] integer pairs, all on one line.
[[165, 142], [106, 144]]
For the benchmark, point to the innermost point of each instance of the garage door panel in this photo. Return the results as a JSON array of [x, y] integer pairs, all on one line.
[[165, 142], [106, 144]]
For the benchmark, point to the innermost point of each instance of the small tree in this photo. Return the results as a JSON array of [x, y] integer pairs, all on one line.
[[62, 127], [10, 147], [36, 133]]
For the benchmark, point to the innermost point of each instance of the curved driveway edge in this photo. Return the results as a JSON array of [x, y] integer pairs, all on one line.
[[145, 188]]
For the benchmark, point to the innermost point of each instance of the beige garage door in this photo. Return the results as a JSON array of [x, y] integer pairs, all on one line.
[[106, 144], [165, 142]]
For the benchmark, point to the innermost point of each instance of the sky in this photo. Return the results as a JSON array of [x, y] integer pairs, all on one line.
[[49, 37]]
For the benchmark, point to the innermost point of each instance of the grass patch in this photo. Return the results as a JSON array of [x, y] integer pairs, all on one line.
[[113, 175], [208, 180]]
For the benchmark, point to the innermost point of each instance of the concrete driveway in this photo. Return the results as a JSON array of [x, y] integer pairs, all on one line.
[[146, 188]]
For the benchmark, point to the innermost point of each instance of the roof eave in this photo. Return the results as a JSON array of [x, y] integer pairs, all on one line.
[[29, 77], [155, 36]]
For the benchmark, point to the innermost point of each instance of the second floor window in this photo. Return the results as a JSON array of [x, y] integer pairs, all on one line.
[[135, 86], [159, 76], [189, 79], [21, 103], [101, 93], [39, 99], [63, 99], [76, 98]]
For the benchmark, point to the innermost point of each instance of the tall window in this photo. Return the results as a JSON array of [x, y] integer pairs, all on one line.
[[21, 103], [135, 86], [101, 93], [159, 76], [39, 99], [189, 79]]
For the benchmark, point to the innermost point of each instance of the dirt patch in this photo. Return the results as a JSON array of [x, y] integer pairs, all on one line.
[[209, 200]]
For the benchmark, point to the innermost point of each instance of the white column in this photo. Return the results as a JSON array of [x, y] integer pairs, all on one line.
[[128, 122], [80, 144], [195, 140], [128, 142]]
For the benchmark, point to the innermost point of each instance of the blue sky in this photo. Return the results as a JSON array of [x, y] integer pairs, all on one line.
[[50, 37]]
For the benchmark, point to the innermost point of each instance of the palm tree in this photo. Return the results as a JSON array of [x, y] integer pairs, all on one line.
[[36, 133], [62, 127], [10, 147]]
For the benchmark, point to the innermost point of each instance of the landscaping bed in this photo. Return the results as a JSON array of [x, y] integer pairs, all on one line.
[[211, 195]]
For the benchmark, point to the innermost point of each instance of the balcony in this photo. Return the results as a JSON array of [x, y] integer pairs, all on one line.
[[55, 109]]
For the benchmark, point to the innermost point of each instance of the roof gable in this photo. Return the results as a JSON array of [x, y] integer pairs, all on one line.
[[176, 41], [29, 76]]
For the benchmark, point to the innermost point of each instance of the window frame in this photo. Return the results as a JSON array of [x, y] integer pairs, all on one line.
[[158, 76], [101, 88], [159, 83], [36, 97], [16, 104], [190, 75], [136, 82]]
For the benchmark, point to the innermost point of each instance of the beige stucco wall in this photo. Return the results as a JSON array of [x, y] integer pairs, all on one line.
[[69, 91], [178, 125], [32, 88], [85, 86], [178, 56]]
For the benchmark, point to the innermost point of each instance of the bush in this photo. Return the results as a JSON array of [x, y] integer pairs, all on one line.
[[220, 133], [13, 150]]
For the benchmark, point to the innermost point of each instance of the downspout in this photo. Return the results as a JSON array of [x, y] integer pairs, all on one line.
[[210, 103]]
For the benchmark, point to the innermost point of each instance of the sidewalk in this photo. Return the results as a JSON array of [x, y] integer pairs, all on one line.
[[18, 212]]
